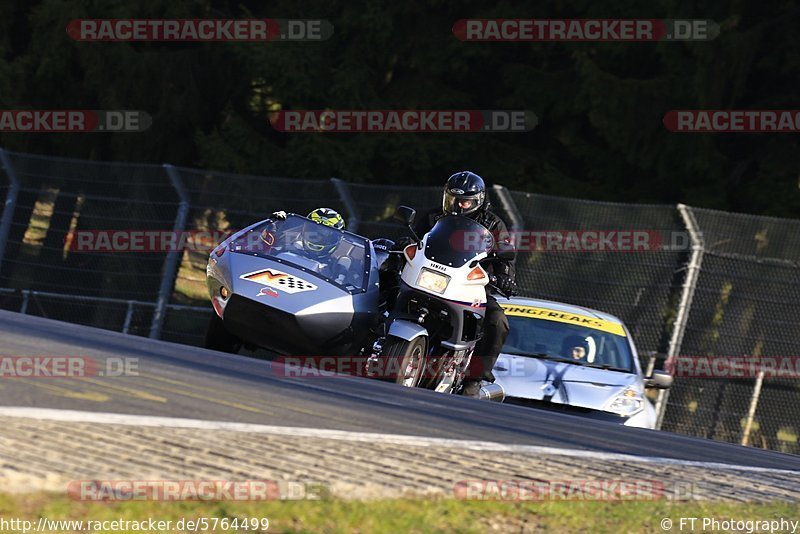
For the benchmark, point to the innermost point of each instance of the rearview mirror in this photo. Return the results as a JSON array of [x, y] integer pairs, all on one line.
[[405, 215], [504, 247], [659, 380]]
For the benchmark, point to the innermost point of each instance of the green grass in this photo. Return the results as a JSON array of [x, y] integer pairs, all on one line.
[[190, 285], [404, 515]]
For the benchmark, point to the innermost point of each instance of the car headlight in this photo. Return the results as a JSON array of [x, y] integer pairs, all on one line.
[[628, 403], [432, 281]]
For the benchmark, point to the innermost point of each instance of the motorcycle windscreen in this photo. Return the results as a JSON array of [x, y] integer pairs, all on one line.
[[455, 240]]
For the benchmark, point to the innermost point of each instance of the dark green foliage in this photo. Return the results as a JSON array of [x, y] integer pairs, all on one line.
[[600, 105]]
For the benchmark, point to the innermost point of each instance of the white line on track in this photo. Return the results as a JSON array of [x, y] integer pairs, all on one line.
[[74, 416]]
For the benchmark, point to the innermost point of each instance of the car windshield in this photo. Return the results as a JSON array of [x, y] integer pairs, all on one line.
[[562, 338], [336, 256], [455, 240]]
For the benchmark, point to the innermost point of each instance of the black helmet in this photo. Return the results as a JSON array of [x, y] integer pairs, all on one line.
[[578, 348], [464, 194]]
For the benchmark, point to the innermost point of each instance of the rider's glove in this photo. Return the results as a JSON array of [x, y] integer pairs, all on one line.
[[504, 283], [280, 215]]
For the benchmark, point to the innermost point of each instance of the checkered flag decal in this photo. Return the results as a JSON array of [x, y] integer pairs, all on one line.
[[281, 281]]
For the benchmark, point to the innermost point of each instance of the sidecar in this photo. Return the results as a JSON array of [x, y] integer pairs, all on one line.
[[293, 287]]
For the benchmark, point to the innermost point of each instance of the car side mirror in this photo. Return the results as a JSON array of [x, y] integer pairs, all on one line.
[[405, 215], [659, 380]]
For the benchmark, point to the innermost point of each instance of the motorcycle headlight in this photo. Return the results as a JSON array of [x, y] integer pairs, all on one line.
[[628, 403], [432, 281]]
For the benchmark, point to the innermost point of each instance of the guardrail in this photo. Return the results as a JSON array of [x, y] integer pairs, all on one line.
[[130, 305]]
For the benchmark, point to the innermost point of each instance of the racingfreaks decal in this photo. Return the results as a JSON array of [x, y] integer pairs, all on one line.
[[278, 280], [564, 317]]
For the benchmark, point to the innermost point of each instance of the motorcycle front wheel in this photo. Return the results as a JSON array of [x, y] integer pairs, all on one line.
[[405, 360]]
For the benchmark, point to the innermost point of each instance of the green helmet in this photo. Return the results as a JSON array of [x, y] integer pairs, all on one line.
[[324, 243]]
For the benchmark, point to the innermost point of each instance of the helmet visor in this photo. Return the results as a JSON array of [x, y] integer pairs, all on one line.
[[453, 204], [320, 239]]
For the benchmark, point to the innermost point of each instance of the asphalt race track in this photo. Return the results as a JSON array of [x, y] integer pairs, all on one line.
[[188, 382]]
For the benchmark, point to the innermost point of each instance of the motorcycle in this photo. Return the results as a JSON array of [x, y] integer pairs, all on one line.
[[270, 290], [430, 334]]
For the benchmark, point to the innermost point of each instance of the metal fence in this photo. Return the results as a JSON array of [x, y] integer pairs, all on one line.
[[714, 284], [745, 303]]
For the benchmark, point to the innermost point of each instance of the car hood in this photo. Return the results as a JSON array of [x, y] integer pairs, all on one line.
[[561, 383]]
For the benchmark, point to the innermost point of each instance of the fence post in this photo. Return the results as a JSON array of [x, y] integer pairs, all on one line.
[[10, 203], [347, 200], [685, 304], [751, 413], [26, 296], [510, 207], [651, 363], [128, 318], [173, 256]]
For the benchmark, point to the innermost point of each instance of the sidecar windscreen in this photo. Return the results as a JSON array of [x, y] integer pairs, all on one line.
[[338, 257]]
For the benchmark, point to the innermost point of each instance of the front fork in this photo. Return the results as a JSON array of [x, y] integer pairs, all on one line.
[[455, 366], [443, 373]]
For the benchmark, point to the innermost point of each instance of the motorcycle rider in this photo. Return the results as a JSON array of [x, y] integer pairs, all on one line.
[[465, 194]]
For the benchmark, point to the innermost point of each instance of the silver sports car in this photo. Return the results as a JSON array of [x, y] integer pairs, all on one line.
[[568, 358]]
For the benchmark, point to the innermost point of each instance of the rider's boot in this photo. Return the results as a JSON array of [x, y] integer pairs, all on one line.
[[471, 388]]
